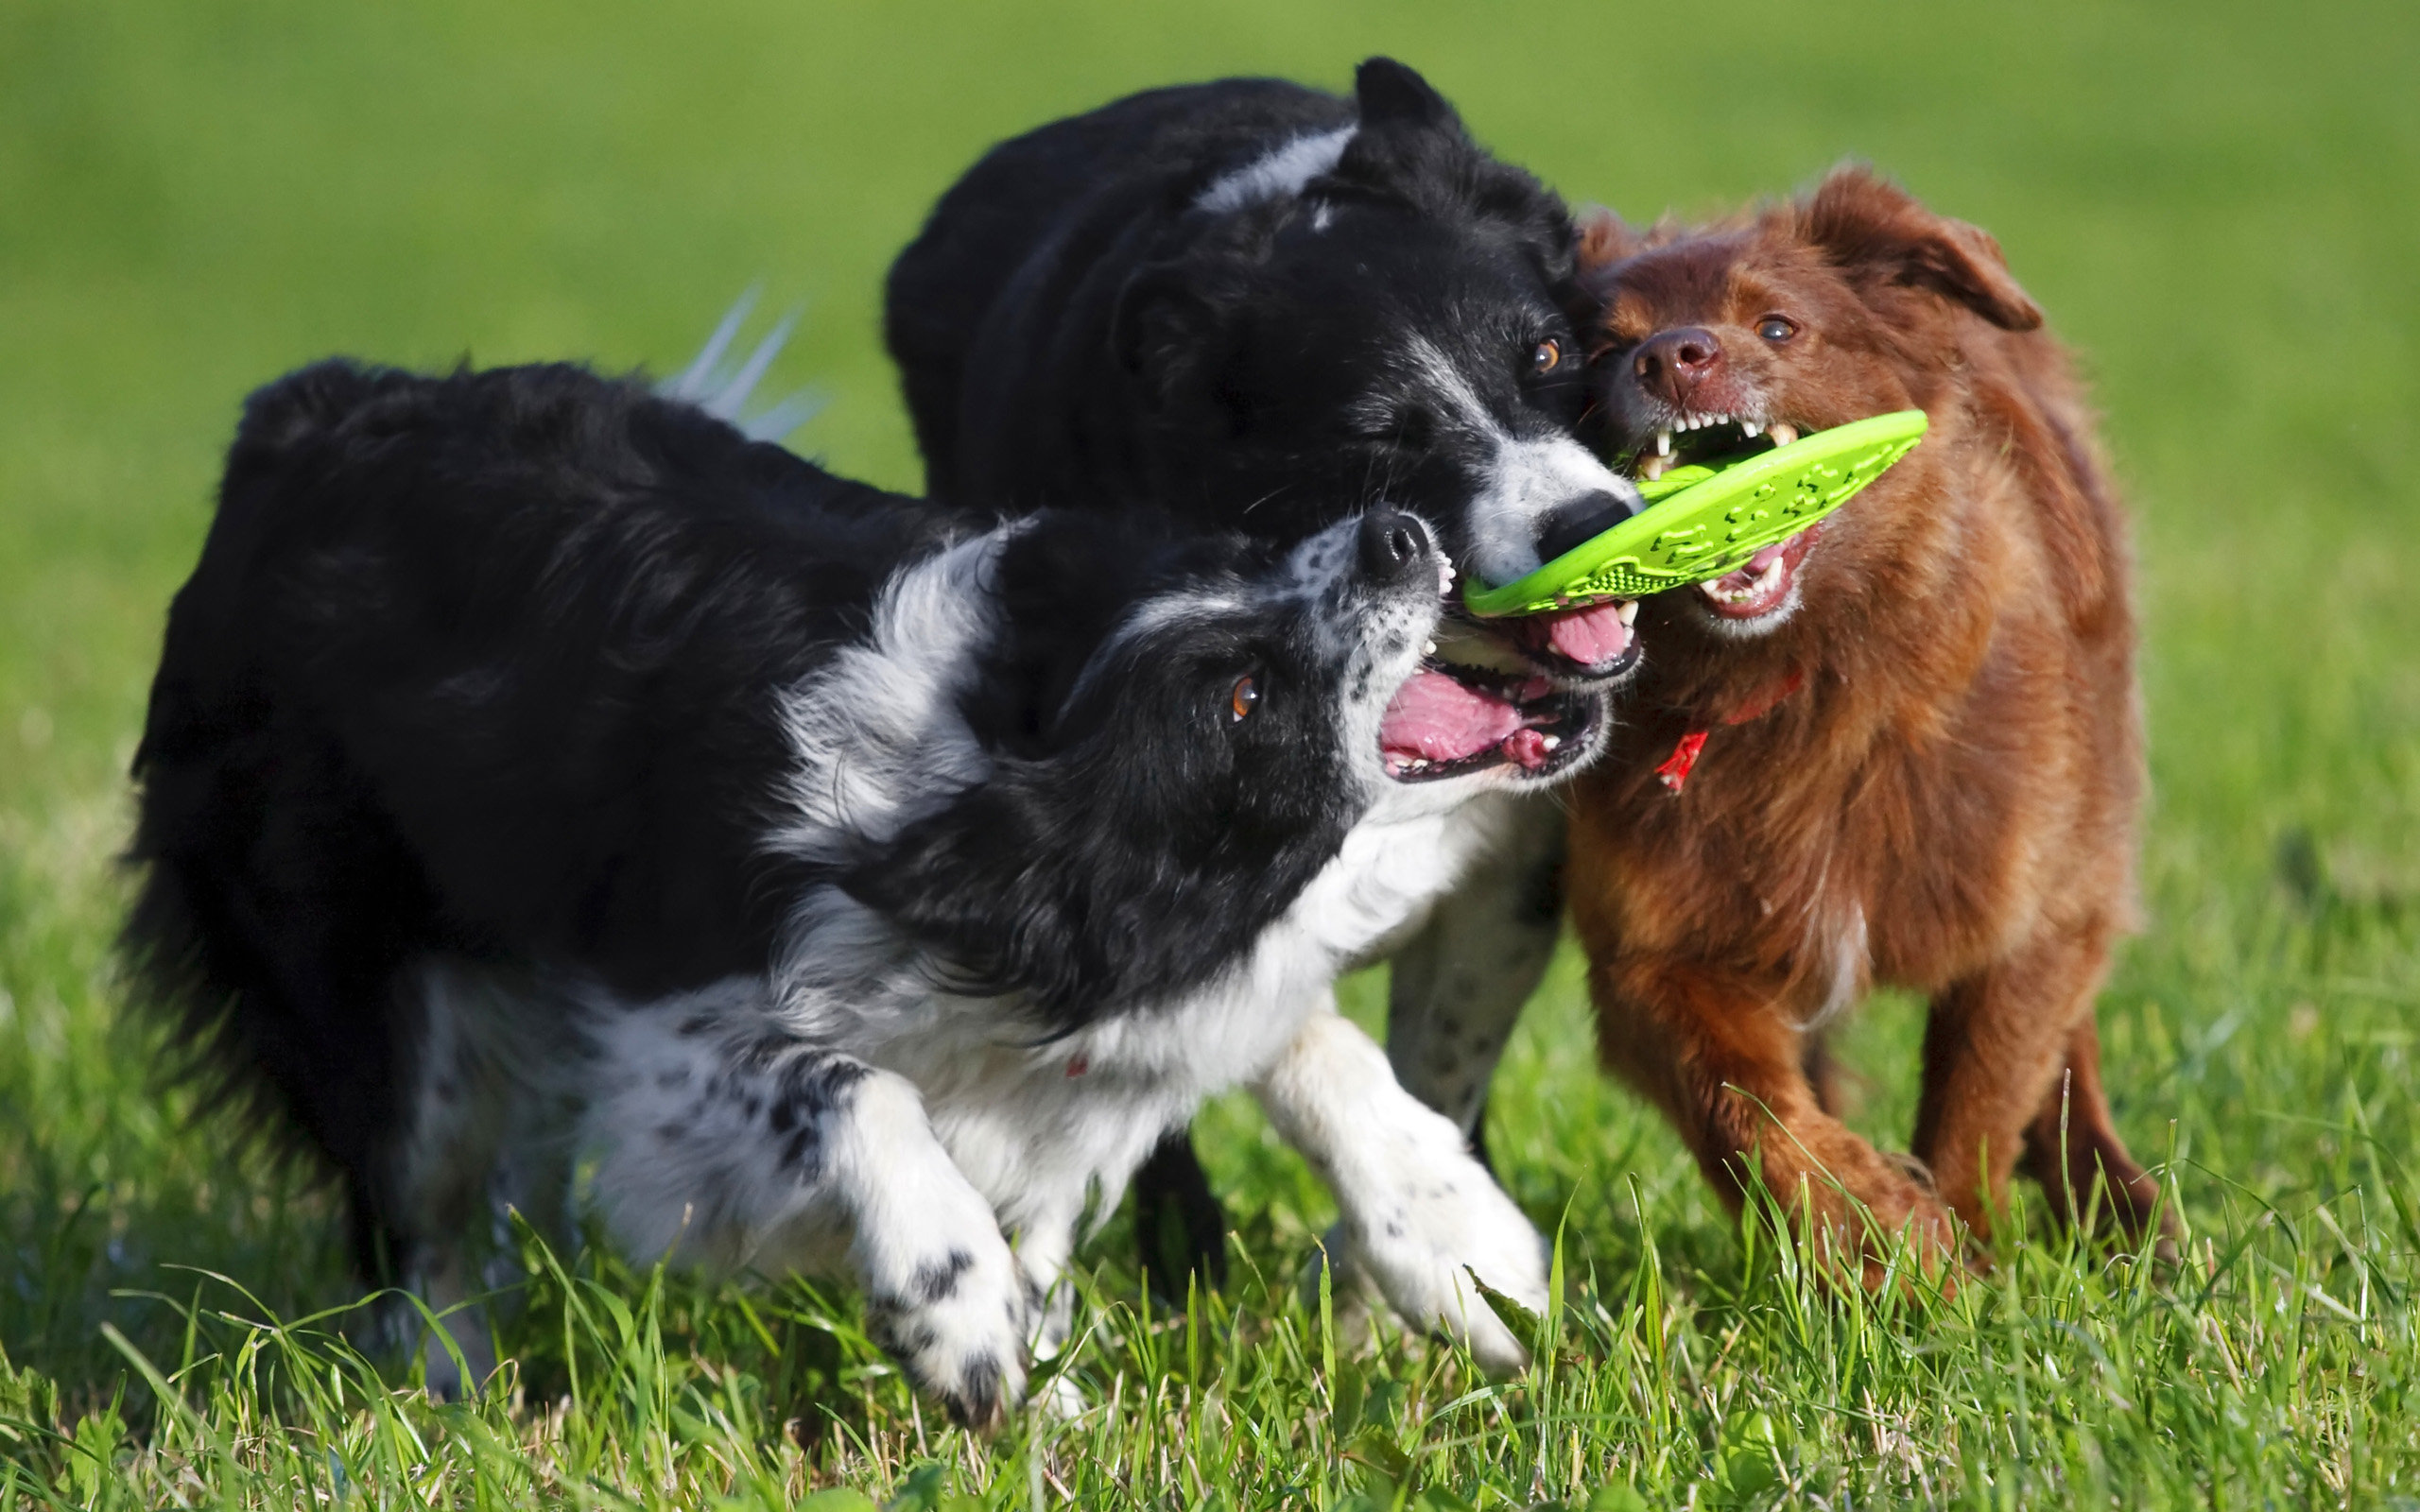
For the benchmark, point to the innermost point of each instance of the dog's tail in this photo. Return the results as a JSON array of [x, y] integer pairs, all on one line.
[[723, 390]]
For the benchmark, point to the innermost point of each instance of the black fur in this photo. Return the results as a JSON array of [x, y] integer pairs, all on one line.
[[1072, 329], [488, 668]]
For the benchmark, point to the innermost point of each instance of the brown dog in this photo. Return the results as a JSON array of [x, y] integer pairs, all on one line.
[[1903, 748]]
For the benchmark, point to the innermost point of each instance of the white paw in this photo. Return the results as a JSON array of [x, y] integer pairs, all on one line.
[[1416, 1244], [958, 1324]]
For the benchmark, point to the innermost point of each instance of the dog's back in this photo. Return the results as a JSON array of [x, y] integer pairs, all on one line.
[[411, 585]]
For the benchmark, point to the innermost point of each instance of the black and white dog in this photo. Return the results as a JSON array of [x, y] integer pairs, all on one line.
[[538, 771], [1263, 305]]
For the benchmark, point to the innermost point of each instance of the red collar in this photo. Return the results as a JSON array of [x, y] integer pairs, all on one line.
[[1674, 773]]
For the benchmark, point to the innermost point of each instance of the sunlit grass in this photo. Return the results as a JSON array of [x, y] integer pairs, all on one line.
[[2214, 204]]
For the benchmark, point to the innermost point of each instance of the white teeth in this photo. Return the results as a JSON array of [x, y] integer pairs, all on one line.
[[1749, 428], [1663, 444], [1653, 468], [1550, 742], [1629, 611], [1428, 648], [1782, 432]]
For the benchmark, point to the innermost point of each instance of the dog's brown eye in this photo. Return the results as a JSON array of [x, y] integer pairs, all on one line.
[[1545, 357], [1244, 699], [1776, 328]]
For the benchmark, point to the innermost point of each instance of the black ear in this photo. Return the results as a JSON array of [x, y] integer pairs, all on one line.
[[972, 884], [1051, 880], [1167, 327], [1413, 150], [1865, 222], [1389, 93]]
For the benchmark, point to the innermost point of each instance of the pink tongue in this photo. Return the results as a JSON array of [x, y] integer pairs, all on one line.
[[1529, 748], [1764, 558], [1591, 636], [1438, 719]]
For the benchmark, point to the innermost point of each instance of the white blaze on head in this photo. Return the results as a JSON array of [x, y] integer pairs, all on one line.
[[1527, 482], [1283, 171], [1523, 482]]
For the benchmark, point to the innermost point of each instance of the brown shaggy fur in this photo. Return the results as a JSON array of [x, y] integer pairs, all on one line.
[[1946, 799]]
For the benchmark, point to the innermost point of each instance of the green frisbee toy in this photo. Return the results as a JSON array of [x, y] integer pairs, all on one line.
[[1701, 522]]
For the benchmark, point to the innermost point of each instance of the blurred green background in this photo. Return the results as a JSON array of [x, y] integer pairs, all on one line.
[[2216, 202], [2219, 204]]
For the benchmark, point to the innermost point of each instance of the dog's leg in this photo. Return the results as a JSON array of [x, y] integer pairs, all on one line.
[[1995, 1048], [1046, 1241], [2075, 1120], [455, 1112], [1420, 1212], [734, 1143], [1457, 988], [1824, 1072], [1723, 1055], [1180, 1229]]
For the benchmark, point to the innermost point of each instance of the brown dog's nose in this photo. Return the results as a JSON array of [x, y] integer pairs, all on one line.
[[1672, 364]]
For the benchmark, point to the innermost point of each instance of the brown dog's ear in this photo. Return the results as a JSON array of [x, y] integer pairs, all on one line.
[[1605, 239], [1862, 221]]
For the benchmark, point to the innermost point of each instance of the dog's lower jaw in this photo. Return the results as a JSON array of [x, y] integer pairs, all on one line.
[[1732, 627]]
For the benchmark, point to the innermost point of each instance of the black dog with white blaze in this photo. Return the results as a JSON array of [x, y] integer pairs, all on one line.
[[1260, 306], [538, 770]]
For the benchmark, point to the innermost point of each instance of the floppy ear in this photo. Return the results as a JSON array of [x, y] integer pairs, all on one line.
[[1861, 221], [1165, 328], [964, 882], [1019, 893], [1605, 239]]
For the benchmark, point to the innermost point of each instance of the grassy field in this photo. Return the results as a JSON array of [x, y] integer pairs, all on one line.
[[2216, 202]]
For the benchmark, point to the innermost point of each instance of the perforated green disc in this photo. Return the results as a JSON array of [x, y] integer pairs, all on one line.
[[1703, 522]]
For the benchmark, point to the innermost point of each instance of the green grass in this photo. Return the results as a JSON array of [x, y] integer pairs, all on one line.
[[2213, 200]]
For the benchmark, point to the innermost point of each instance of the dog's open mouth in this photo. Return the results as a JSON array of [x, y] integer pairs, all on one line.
[[1594, 641], [1763, 586], [1707, 439], [1449, 721]]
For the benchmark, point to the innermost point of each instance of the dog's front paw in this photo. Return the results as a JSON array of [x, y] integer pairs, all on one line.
[[1423, 1243], [958, 1324]]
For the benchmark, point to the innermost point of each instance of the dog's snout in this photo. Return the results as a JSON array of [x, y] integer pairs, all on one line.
[[1394, 545], [1672, 363], [1582, 519]]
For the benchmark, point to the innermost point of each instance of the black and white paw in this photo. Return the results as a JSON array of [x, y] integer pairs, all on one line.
[[958, 1324], [1420, 1245]]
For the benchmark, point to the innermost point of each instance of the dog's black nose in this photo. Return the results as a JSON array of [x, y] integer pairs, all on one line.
[[1582, 519], [1394, 545], [1672, 364]]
